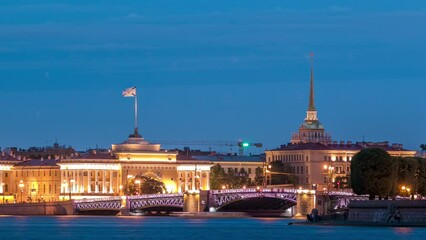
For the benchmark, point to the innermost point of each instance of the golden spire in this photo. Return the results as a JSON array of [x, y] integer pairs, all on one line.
[[311, 93]]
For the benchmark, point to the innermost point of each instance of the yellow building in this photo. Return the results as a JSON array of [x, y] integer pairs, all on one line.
[[97, 174], [7, 162], [35, 180], [235, 163]]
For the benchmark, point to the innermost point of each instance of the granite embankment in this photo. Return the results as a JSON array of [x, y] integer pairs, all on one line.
[[45, 208], [408, 213]]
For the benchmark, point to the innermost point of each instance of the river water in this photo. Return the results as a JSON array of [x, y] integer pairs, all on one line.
[[101, 228]]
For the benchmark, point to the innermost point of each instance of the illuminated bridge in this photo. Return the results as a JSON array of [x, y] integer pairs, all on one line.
[[252, 200], [154, 203], [233, 200]]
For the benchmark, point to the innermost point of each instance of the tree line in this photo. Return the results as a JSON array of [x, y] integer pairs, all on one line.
[[375, 173], [278, 173]]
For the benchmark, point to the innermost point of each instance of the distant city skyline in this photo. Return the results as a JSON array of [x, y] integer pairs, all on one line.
[[210, 72]]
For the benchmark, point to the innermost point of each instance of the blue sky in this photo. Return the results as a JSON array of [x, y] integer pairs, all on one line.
[[210, 70]]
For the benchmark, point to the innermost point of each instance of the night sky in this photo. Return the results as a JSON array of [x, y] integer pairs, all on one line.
[[210, 70]]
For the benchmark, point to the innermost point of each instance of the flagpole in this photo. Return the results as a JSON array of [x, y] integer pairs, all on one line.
[[136, 114]]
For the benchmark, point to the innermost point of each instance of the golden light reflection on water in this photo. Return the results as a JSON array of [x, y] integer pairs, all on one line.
[[403, 230]]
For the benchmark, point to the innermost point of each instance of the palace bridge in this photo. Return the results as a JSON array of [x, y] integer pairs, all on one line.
[[274, 201]]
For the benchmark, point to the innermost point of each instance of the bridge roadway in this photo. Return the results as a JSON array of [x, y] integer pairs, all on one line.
[[232, 200]]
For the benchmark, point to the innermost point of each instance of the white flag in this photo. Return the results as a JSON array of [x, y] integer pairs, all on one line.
[[130, 92]]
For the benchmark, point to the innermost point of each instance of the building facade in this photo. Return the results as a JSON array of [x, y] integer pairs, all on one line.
[[97, 174]]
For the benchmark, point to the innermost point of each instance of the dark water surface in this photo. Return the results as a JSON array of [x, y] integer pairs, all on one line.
[[77, 228]]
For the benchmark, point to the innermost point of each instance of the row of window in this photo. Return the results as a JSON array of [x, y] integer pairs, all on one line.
[[150, 167], [80, 173], [299, 169], [338, 158], [289, 158], [33, 173], [50, 190]]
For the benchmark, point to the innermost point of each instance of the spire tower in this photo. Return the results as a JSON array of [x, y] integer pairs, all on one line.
[[311, 93], [311, 114], [311, 129]]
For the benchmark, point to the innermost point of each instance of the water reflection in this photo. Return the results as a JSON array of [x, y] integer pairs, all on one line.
[[78, 227]]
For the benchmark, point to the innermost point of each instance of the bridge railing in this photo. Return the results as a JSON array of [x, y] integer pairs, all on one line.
[[145, 196], [248, 190], [97, 199]]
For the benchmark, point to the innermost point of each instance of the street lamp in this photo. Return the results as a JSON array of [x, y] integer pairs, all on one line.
[[329, 170], [405, 190], [70, 181], [138, 182], [21, 186], [2, 187], [265, 175]]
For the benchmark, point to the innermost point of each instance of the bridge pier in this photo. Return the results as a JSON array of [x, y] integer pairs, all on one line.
[[125, 206], [196, 202], [306, 201]]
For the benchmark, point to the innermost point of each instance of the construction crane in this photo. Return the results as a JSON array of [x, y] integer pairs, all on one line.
[[240, 144]]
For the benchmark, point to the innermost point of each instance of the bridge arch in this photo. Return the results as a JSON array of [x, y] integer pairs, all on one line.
[[157, 202], [252, 200]]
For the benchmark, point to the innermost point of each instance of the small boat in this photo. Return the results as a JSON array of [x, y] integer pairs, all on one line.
[[138, 212]]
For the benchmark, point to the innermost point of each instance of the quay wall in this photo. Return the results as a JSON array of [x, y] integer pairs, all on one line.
[[388, 211], [46, 208]]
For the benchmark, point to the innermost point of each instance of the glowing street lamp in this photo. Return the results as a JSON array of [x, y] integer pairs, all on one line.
[[2, 187], [21, 186], [138, 182], [329, 170], [69, 186], [405, 190]]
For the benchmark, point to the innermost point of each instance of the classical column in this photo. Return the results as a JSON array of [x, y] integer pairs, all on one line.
[[96, 182], [200, 180], [74, 185], [110, 182], [118, 182], [82, 181], [89, 181], [207, 180], [77, 181], [179, 189], [103, 181], [186, 181], [193, 180], [65, 182], [62, 180]]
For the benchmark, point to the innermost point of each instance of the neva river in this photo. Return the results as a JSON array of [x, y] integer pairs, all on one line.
[[101, 228]]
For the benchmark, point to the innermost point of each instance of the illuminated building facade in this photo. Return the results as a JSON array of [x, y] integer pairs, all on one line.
[[7, 162], [96, 174], [35, 180], [315, 159]]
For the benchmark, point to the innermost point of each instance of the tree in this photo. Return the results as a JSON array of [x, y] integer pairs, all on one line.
[[258, 177], [280, 173], [407, 175], [423, 147], [421, 176], [373, 172], [150, 185], [145, 185], [217, 177]]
